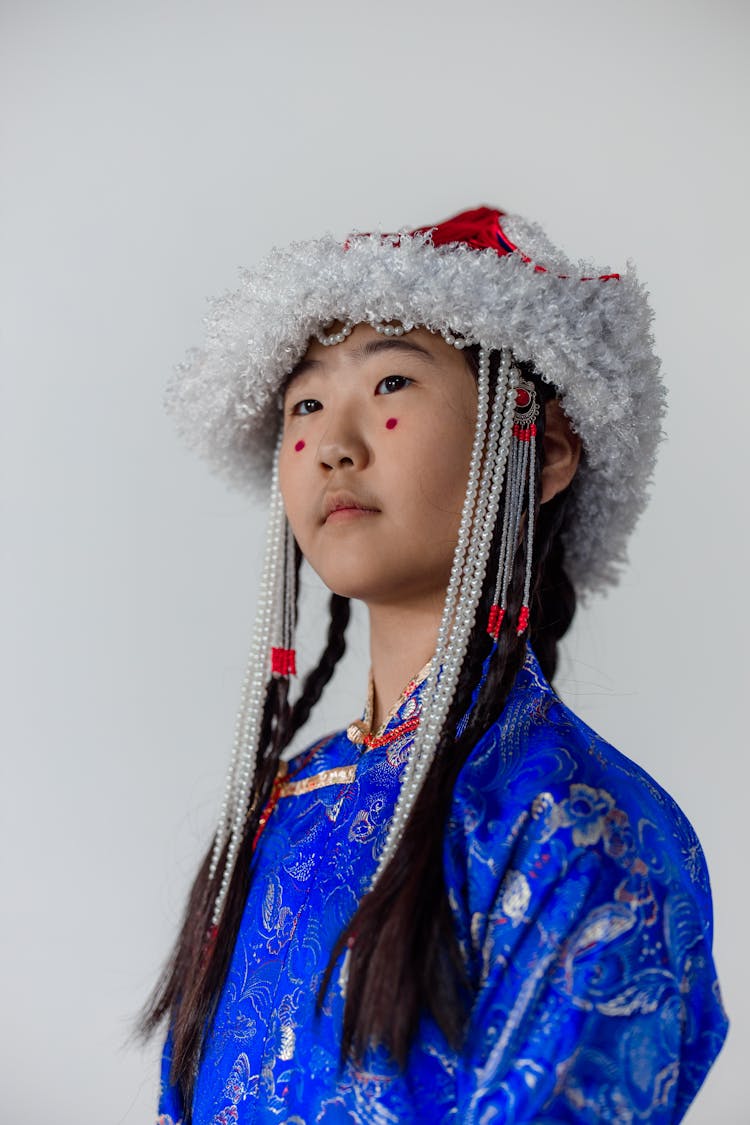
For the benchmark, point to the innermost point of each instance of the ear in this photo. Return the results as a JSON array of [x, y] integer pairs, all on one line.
[[562, 451]]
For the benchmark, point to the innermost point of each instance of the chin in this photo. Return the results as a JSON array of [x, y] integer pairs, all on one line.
[[349, 587], [355, 578], [382, 588]]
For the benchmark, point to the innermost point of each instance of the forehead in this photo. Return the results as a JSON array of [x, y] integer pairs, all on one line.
[[365, 344]]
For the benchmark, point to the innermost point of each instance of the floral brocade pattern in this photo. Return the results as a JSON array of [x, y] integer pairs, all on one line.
[[582, 907]]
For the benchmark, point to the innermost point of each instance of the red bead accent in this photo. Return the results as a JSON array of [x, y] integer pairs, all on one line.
[[523, 398], [390, 736], [495, 621], [283, 662], [523, 620]]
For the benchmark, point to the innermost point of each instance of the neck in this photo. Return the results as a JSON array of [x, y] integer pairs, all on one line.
[[402, 640]]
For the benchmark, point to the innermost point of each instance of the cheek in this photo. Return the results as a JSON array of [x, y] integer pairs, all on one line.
[[291, 483], [436, 459]]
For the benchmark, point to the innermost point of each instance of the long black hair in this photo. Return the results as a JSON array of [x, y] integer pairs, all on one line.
[[405, 959]]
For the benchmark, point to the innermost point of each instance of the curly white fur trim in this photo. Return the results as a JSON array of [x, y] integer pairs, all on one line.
[[590, 338]]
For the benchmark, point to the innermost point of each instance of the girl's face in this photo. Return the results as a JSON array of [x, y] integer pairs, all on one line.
[[374, 462]]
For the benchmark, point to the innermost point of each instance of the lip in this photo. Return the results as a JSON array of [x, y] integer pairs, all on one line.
[[341, 506]]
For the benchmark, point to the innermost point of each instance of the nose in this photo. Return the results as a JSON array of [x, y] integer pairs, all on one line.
[[343, 445]]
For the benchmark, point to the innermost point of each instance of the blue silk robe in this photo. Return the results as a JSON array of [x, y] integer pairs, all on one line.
[[582, 905]]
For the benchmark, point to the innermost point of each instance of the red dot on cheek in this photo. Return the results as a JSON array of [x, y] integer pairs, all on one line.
[[391, 423], [300, 445]]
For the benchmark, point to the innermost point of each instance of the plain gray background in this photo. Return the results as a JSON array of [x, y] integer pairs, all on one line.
[[148, 150]]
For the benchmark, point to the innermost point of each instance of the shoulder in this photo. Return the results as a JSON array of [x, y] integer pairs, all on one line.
[[571, 872], [541, 773]]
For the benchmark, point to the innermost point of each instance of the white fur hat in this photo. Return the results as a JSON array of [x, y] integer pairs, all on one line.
[[488, 276]]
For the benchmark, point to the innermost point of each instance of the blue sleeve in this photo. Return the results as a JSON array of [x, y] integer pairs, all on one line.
[[170, 1102], [595, 992]]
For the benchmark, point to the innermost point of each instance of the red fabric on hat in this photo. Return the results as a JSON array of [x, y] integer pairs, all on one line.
[[478, 228]]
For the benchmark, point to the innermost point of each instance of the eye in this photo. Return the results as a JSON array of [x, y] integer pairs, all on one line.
[[392, 383], [306, 406]]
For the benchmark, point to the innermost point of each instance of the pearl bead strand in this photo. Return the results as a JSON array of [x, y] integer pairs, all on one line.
[[455, 621], [247, 728], [335, 337], [487, 471]]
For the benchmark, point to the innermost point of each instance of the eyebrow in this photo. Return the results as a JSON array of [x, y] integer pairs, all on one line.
[[374, 347], [366, 351]]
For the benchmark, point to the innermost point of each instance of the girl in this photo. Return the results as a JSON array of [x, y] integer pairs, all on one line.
[[467, 906]]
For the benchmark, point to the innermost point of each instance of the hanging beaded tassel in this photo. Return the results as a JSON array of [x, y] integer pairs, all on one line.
[[283, 655], [521, 481], [486, 472], [494, 464], [507, 379], [268, 624]]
